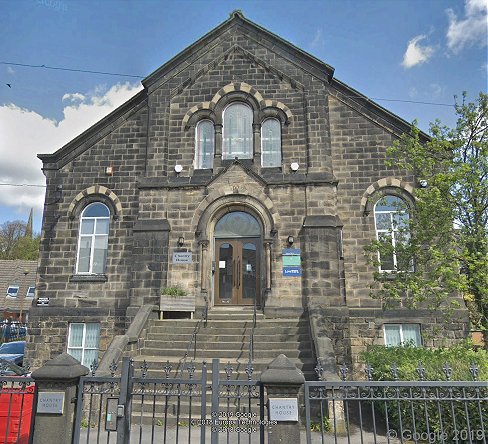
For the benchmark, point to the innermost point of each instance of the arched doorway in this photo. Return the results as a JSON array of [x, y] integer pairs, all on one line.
[[238, 245]]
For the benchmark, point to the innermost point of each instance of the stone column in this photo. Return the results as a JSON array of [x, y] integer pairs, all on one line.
[[217, 161], [283, 380], [57, 384], [256, 129]]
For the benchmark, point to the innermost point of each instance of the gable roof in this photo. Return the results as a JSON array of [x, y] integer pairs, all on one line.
[[295, 55]]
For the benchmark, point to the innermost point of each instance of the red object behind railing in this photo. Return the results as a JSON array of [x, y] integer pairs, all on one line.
[[16, 414]]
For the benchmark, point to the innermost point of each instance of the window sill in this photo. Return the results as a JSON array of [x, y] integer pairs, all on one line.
[[88, 278]]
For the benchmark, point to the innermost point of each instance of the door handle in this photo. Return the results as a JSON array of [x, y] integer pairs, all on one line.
[[238, 273]]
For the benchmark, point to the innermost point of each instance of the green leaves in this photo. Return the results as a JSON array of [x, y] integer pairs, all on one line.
[[448, 225]]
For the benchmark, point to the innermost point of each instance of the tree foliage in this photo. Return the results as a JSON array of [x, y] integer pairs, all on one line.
[[448, 237], [14, 244]]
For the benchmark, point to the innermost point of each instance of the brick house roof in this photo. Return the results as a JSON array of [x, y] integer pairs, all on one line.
[[13, 273]]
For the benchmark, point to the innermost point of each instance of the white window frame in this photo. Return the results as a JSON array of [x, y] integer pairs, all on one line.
[[93, 236], [402, 340], [391, 231], [83, 346], [10, 294], [226, 155], [262, 139], [30, 296], [198, 157]]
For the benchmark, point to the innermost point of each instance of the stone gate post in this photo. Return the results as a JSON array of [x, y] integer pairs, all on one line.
[[283, 381], [57, 383]]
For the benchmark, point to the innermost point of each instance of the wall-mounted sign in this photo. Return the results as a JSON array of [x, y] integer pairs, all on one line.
[[292, 271], [291, 252], [42, 301], [292, 262], [283, 409], [50, 402], [182, 257]]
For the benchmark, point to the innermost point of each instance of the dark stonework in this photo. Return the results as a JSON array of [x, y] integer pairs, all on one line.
[[339, 143]]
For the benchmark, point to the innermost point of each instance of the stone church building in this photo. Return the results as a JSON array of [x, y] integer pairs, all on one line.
[[244, 172]]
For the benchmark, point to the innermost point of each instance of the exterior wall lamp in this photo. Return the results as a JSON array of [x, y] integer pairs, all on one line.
[[181, 241], [290, 240]]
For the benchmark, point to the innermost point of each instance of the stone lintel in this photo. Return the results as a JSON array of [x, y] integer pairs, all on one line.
[[328, 221], [151, 225]]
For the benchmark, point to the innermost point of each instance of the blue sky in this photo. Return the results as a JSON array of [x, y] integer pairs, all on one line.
[[421, 51]]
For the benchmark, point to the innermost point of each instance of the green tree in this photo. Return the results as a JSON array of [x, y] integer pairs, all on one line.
[[446, 237], [14, 244]]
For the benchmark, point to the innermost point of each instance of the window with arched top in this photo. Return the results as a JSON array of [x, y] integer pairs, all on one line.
[[237, 140], [93, 239], [271, 143], [204, 145], [392, 231]]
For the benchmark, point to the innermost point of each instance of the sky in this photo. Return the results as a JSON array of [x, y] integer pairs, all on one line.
[[410, 56]]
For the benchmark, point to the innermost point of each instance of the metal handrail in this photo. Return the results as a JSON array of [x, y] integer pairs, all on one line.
[[251, 335], [203, 319]]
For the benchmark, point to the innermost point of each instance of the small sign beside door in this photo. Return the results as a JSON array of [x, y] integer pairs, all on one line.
[[292, 262], [184, 257]]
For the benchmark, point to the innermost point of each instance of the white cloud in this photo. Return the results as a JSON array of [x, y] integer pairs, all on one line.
[[25, 133], [318, 39], [416, 53], [10, 70], [470, 30], [73, 97]]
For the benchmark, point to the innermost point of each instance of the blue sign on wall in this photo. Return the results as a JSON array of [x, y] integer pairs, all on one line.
[[291, 252], [292, 271]]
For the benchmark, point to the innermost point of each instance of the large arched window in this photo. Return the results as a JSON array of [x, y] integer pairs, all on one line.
[[93, 239], [271, 143], [204, 145], [391, 221], [237, 132]]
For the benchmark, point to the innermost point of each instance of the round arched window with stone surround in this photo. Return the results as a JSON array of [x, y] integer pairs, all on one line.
[[93, 239], [237, 139]]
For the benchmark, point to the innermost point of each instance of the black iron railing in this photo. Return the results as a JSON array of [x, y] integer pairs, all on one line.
[[193, 339], [397, 411], [251, 335]]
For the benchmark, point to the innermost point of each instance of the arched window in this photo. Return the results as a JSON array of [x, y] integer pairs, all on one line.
[[391, 221], [204, 145], [93, 239], [271, 143], [237, 132], [237, 224]]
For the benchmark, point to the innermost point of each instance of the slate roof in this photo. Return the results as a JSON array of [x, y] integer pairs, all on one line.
[[13, 273]]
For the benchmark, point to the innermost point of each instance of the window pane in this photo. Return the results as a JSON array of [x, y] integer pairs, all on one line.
[[392, 335], [237, 138], [100, 254], [390, 203], [383, 221], [204, 149], [411, 334], [386, 252], [84, 255], [76, 353], [271, 143], [237, 224], [13, 291], [75, 335], [87, 226], [92, 336], [90, 356], [96, 209], [102, 226], [31, 292]]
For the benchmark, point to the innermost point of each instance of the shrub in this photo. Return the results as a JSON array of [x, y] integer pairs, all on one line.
[[173, 291], [447, 414]]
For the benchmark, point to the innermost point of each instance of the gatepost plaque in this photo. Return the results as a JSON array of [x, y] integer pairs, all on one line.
[[50, 402], [283, 409]]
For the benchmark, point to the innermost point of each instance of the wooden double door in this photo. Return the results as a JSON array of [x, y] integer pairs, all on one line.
[[237, 271]]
